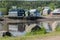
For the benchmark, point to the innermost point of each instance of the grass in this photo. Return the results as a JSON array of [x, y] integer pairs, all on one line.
[[57, 28], [31, 37], [40, 35], [37, 32]]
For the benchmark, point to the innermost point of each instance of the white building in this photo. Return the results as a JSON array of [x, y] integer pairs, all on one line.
[[46, 11], [56, 11]]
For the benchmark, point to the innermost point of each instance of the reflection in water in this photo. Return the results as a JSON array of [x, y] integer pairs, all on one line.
[[18, 33], [47, 27]]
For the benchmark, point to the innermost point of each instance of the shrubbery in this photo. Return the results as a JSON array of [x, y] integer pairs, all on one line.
[[58, 28], [37, 32], [4, 10]]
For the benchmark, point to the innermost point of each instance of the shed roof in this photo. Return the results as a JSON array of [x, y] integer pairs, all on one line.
[[56, 11]]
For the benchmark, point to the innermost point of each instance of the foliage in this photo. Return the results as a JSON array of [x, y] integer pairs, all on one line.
[[37, 32], [29, 4], [4, 10], [52, 6], [58, 28]]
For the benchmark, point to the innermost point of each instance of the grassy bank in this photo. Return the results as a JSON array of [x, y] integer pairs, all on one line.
[[31, 37]]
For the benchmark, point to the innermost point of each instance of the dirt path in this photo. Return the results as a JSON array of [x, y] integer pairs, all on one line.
[[51, 38], [45, 38]]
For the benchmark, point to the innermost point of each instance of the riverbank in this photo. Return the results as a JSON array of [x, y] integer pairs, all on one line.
[[48, 36]]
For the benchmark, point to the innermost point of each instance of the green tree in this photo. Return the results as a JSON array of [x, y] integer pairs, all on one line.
[[52, 6]]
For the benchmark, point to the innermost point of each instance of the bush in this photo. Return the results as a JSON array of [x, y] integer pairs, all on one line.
[[4, 10], [58, 28], [41, 31], [37, 32]]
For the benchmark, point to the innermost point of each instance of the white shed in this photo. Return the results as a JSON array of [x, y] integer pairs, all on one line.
[[46, 11]]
